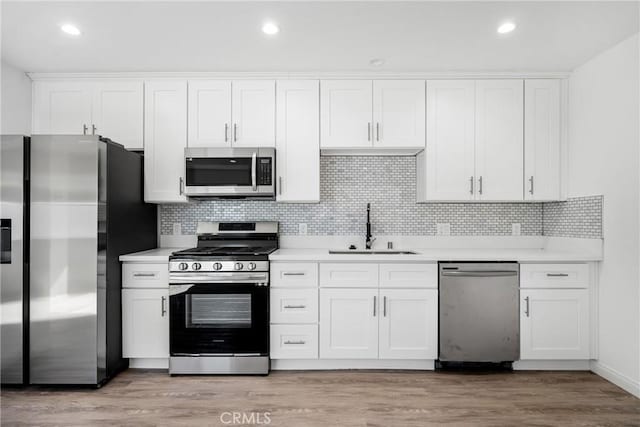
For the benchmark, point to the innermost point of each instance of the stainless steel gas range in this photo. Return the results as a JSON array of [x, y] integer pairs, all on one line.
[[219, 300]]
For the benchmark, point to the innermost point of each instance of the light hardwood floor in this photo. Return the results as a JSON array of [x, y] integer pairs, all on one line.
[[331, 398]]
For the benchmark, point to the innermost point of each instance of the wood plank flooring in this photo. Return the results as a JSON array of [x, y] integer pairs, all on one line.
[[330, 398]]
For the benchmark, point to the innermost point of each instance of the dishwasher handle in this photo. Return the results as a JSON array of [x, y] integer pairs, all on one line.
[[479, 273]]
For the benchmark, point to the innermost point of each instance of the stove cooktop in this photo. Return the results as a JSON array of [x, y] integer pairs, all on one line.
[[225, 251]]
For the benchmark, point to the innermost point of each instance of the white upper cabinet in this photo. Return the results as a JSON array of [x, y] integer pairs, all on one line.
[[298, 141], [165, 130], [209, 113], [346, 113], [398, 113], [499, 140], [446, 169], [62, 108], [113, 109], [542, 139], [254, 113]]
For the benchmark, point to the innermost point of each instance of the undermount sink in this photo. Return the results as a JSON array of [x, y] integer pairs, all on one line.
[[357, 252]]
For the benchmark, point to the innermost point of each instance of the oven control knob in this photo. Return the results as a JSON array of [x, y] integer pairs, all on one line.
[[217, 266], [196, 266], [238, 266], [183, 266], [251, 266]]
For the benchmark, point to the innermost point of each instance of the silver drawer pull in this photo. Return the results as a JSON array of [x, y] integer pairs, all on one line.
[[295, 306], [294, 274], [295, 342], [557, 275], [144, 274]]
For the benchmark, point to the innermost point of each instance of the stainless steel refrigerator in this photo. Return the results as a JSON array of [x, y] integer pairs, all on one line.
[[71, 205]]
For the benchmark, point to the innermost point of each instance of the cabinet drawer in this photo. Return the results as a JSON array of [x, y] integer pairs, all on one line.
[[295, 274], [294, 342], [349, 275], [294, 305], [408, 275], [554, 275], [138, 275]]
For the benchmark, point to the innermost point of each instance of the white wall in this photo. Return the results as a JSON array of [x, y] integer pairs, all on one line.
[[604, 159], [15, 101]]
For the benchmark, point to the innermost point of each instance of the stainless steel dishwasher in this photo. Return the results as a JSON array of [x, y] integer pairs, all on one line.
[[479, 312]]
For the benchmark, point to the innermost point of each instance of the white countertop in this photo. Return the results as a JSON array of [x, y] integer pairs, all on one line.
[[152, 255], [448, 254]]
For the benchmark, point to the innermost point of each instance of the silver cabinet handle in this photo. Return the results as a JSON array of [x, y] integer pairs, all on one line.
[[369, 131], [294, 274], [93, 129], [144, 274], [377, 131], [557, 275], [295, 342], [235, 132], [384, 306], [375, 299], [471, 185], [295, 306], [164, 309], [526, 308], [480, 185], [254, 161], [84, 129], [181, 186], [280, 185], [531, 185], [226, 132]]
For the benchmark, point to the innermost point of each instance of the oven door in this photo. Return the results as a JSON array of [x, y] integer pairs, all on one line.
[[230, 172], [219, 319]]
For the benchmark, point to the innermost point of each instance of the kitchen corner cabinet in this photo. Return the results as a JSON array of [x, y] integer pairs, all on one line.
[[542, 139], [383, 114], [145, 323], [113, 109], [165, 130], [298, 141]]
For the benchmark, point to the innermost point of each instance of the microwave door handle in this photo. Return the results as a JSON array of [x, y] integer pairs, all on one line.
[[254, 160]]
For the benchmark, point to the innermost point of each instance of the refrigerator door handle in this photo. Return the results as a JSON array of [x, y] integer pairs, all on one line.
[[5, 241]]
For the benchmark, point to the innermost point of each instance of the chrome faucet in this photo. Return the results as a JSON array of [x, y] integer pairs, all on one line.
[[368, 239]]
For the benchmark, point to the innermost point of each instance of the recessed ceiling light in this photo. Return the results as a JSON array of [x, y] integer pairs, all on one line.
[[376, 62], [270, 28], [70, 29], [507, 27]]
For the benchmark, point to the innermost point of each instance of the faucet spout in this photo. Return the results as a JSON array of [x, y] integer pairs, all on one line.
[[368, 238]]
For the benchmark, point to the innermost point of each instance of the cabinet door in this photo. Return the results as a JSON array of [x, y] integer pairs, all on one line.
[[349, 323], [499, 139], [165, 125], [346, 113], [62, 108], [209, 114], [554, 324], [398, 113], [254, 113], [118, 112], [298, 141], [447, 164], [409, 324], [145, 323], [542, 139]]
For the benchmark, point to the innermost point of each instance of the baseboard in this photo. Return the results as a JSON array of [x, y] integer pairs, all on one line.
[[154, 363], [616, 378], [551, 365], [337, 364]]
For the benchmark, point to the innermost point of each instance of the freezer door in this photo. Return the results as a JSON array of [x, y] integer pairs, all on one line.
[[64, 259], [11, 262]]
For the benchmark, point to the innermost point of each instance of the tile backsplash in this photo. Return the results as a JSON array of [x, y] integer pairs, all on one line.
[[577, 217]]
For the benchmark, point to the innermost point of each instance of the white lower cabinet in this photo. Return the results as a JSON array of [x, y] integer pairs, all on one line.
[[294, 341], [554, 324], [349, 323], [408, 324], [145, 323], [294, 305]]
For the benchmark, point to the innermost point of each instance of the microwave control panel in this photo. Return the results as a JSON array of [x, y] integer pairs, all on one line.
[[264, 171]]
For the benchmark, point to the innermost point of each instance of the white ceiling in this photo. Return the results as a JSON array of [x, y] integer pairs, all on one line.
[[315, 36]]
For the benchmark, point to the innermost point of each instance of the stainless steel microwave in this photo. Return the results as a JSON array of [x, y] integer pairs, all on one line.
[[230, 173]]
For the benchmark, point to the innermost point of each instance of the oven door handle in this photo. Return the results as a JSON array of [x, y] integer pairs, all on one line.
[[229, 278]]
